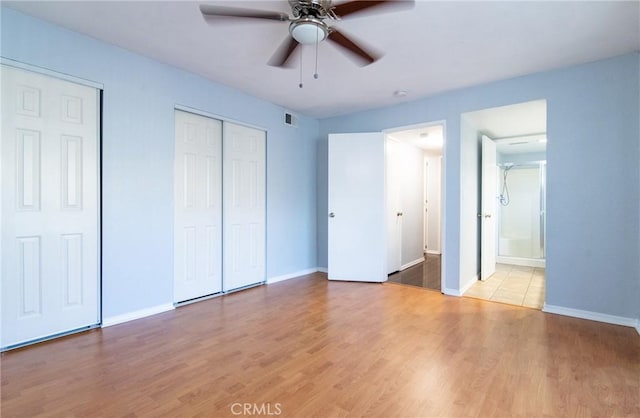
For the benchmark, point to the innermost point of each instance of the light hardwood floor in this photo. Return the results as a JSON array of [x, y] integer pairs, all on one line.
[[309, 347]]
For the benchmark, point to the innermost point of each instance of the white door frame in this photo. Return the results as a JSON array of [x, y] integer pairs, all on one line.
[[45, 71]]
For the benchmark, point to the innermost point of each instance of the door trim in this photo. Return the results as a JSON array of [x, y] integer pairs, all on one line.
[[204, 113], [49, 337], [51, 73]]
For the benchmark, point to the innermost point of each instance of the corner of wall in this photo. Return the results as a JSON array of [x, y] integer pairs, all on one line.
[[463, 287], [294, 275], [468, 283]]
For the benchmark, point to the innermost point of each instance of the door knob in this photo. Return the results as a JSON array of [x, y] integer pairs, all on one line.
[[332, 215]]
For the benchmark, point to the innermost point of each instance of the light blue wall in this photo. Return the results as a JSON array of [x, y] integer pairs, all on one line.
[[137, 159], [593, 177]]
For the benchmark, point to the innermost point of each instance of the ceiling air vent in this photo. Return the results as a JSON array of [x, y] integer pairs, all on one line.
[[290, 119]]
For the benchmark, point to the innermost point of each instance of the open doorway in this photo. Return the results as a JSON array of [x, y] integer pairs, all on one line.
[[414, 190], [512, 203]]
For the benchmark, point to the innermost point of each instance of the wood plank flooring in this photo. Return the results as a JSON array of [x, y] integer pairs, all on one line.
[[310, 347]]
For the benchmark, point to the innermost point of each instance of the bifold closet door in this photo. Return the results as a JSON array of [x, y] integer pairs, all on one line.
[[198, 206], [243, 205], [50, 208]]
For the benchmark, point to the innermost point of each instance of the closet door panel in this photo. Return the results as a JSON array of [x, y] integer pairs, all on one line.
[[244, 189], [198, 206], [50, 206]]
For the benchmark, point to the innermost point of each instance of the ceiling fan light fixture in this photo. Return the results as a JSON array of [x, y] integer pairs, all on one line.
[[308, 31]]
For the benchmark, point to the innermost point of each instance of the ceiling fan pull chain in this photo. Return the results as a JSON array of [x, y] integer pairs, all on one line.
[[315, 74], [300, 85]]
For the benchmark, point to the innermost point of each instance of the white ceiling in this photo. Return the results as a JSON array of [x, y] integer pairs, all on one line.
[[430, 138], [516, 129], [434, 47], [522, 145]]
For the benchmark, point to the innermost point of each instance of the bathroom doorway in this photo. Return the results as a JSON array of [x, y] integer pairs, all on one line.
[[512, 216]]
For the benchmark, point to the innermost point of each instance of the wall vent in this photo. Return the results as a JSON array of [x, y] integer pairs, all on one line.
[[290, 119]]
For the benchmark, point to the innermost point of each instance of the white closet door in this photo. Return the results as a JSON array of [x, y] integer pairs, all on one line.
[[50, 208], [198, 207], [244, 206]]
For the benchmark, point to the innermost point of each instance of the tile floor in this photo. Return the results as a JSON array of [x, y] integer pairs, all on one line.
[[515, 285]]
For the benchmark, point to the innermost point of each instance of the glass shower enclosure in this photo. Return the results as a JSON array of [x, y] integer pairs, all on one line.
[[521, 226]]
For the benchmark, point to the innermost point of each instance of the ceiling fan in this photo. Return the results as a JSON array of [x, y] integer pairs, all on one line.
[[308, 25]]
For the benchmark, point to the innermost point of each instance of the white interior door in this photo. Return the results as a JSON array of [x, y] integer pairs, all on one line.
[[50, 210], [244, 205], [357, 208], [197, 206], [394, 206], [488, 216]]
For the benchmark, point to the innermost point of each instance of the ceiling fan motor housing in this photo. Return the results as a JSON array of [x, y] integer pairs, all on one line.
[[311, 8]]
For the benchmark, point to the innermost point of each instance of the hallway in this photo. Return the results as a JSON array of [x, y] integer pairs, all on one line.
[[425, 274]]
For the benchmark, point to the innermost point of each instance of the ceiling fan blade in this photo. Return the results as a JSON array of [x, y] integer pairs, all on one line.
[[357, 52], [208, 10], [284, 52], [356, 6]]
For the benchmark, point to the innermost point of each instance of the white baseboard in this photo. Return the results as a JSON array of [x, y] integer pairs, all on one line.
[[412, 263], [451, 292], [434, 252], [323, 270], [593, 316], [130, 316], [283, 277], [463, 289], [517, 261]]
